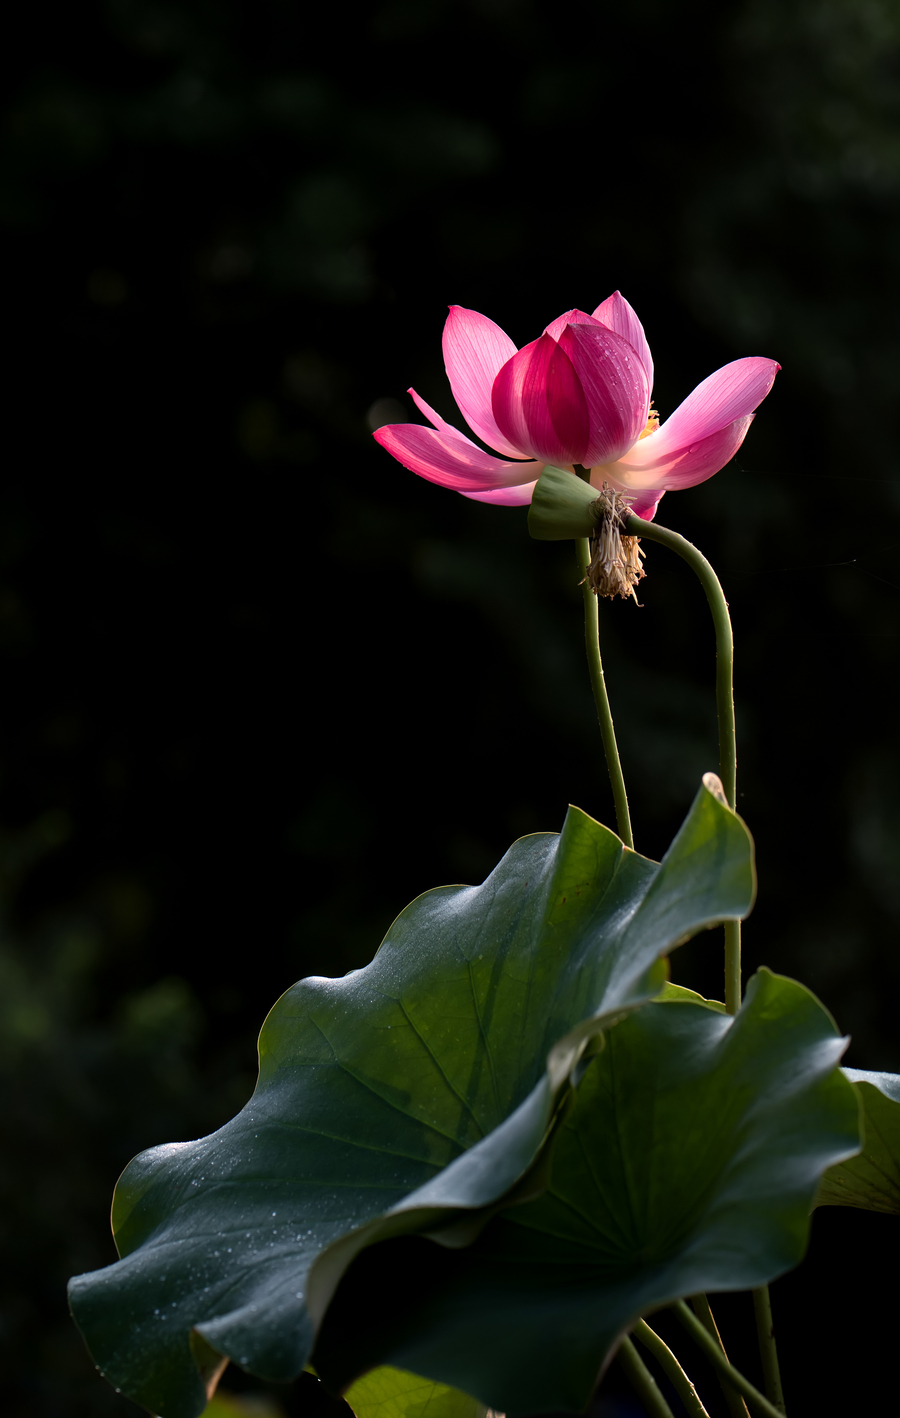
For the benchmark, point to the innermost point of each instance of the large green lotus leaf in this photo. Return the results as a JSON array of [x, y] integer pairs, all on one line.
[[688, 1163], [394, 1393], [872, 1179], [402, 1097]]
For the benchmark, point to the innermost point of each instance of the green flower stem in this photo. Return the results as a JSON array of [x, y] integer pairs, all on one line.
[[758, 1403], [736, 1405], [637, 527], [661, 1351], [732, 966], [767, 1352], [642, 1381], [601, 699]]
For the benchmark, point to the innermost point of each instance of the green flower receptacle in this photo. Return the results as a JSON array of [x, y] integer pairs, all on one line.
[[561, 507]]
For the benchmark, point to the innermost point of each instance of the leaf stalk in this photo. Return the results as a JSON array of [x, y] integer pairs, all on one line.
[[636, 526], [736, 1405], [765, 1332], [713, 1351], [642, 1381], [661, 1351]]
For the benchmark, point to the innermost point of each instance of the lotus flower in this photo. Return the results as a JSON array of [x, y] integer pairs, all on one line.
[[578, 395]]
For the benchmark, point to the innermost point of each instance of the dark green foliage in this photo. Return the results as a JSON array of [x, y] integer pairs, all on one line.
[[408, 1096], [241, 648], [687, 1164]]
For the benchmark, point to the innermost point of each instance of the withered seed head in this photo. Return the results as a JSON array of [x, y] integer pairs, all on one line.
[[615, 565]]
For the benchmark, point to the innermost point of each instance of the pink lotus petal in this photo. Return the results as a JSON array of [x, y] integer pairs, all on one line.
[[698, 462], [475, 350], [615, 386], [730, 394], [434, 417], [646, 503], [617, 314], [643, 502], [507, 496], [443, 426], [579, 394], [449, 459], [571, 317], [540, 405], [684, 467]]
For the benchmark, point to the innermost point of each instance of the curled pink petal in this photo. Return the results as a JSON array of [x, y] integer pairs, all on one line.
[[449, 459], [646, 503], [540, 404], [475, 350], [700, 460], [615, 386], [571, 317], [617, 314], [729, 394], [683, 467], [518, 496], [433, 416], [444, 427]]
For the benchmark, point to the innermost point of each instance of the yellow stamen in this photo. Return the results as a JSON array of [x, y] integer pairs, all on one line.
[[652, 424]]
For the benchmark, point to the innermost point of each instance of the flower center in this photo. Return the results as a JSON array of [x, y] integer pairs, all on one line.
[[652, 425]]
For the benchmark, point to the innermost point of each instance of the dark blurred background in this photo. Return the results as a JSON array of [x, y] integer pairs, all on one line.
[[260, 686]]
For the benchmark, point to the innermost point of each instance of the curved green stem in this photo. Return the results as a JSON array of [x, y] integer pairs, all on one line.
[[736, 1405], [642, 1381], [661, 1351], [601, 699], [765, 1332], [758, 1403], [637, 527]]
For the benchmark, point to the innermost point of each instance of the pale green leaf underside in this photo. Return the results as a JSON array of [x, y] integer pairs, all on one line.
[[870, 1181], [228, 1405], [394, 1393]]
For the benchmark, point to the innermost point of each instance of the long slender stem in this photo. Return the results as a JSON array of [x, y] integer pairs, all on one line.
[[636, 526], [732, 966], [661, 1351], [601, 699], [765, 1331], [642, 1381], [700, 1305], [713, 1352]]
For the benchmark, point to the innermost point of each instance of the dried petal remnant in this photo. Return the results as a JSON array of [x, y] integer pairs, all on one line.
[[615, 566]]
